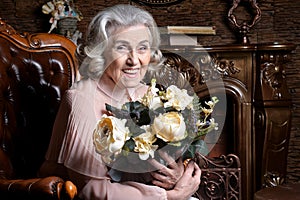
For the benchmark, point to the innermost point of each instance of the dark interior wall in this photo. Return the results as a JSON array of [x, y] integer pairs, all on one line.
[[280, 22]]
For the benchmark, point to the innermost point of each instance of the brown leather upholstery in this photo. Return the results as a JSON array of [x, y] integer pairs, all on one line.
[[35, 70]]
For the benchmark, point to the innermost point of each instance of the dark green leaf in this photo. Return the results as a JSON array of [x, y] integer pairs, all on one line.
[[129, 145], [134, 129]]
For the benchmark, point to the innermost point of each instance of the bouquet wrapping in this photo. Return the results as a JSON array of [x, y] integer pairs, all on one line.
[[164, 118]]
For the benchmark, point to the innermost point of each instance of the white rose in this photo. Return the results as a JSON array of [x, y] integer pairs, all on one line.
[[109, 136], [177, 98], [170, 127], [144, 145]]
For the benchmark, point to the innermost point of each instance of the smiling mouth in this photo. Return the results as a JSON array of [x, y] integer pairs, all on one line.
[[130, 71]]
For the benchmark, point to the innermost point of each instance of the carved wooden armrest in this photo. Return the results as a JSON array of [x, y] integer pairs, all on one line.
[[38, 188]]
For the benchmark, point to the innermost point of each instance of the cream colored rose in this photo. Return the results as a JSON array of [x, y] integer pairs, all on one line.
[[177, 98], [109, 137], [144, 145], [170, 127]]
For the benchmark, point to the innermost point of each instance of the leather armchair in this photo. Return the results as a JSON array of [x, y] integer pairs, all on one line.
[[35, 70]]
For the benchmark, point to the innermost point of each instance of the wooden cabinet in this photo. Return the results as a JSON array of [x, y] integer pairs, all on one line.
[[258, 105]]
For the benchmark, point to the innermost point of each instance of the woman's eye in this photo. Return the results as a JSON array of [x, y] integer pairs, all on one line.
[[142, 49], [122, 48]]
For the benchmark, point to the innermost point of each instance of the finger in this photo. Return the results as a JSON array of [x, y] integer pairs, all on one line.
[[168, 180], [197, 170], [180, 161], [162, 184], [178, 166], [190, 168], [158, 176], [158, 183], [162, 181], [197, 176]]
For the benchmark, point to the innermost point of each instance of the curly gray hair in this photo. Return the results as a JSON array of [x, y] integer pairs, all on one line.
[[103, 25]]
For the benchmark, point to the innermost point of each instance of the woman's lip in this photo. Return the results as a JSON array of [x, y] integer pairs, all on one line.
[[130, 71]]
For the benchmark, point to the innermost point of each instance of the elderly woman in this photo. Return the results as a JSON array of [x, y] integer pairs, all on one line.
[[122, 43]]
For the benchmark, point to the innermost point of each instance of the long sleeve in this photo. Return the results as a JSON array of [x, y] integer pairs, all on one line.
[[105, 189], [71, 149]]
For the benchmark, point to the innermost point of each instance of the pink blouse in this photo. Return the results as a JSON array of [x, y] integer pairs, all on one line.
[[71, 150]]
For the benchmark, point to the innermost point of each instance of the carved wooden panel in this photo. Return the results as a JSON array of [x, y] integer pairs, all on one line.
[[272, 66], [220, 178]]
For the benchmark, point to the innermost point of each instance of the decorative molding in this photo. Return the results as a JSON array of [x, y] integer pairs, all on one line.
[[216, 67], [7, 28], [34, 40], [225, 67], [167, 74], [273, 76], [273, 73], [192, 73]]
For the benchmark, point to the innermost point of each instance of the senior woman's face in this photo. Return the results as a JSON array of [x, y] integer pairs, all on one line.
[[128, 55]]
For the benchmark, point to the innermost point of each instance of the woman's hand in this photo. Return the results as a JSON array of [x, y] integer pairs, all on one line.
[[187, 185], [167, 175]]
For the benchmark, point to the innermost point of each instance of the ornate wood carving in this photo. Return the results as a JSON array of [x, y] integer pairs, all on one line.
[[7, 28], [216, 67], [176, 70], [38, 40], [273, 179], [207, 67], [273, 72], [245, 26], [218, 174]]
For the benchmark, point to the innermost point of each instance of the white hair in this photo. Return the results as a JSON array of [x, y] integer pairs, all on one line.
[[103, 25]]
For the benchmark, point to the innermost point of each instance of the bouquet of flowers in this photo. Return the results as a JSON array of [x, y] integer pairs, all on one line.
[[162, 117]]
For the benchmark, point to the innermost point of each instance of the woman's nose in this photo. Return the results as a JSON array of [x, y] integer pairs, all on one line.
[[133, 58]]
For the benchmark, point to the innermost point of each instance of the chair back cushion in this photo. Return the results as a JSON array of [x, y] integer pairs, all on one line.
[[35, 70]]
